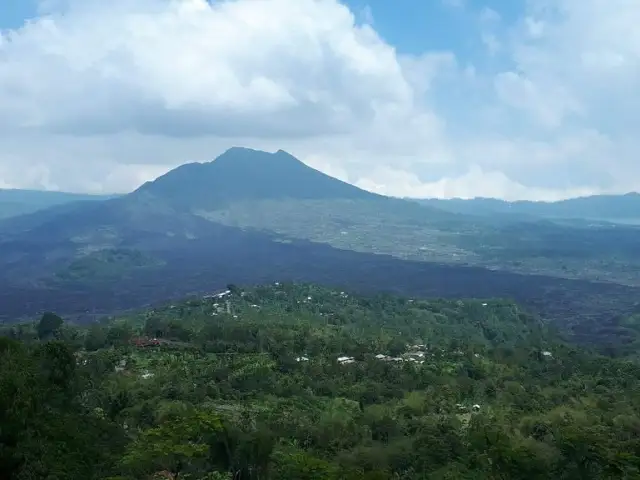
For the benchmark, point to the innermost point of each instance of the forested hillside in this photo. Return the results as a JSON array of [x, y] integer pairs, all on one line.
[[301, 382]]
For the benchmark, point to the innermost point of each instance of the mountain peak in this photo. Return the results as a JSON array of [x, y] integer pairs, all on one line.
[[245, 174], [243, 157], [237, 151]]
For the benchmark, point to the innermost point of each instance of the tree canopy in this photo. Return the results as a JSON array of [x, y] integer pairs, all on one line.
[[299, 381]]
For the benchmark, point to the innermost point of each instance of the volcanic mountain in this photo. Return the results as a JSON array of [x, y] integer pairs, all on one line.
[[243, 174], [254, 217], [163, 218]]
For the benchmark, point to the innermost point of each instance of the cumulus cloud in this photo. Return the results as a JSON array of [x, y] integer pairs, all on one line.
[[188, 68], [101, 96], [473, 183]]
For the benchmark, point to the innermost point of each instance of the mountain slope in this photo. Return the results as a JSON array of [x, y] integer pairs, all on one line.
[[19, 202], [590, 312], [298, 202], [248, 217], [277, 194], [158, 218], [242, 174], [598, 207]]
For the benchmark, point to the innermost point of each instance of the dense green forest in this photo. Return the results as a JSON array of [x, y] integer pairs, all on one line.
[[301, 382]]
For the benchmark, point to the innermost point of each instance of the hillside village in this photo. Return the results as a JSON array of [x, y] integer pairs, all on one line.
[[239, 305], [412, 385]]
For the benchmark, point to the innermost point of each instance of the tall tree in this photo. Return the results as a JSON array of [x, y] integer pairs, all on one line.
[[49, 325], [175, 446]]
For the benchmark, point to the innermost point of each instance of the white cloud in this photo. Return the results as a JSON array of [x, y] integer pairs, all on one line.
[[547, 102], [111, 94], [578, 61], [577, 66], [187, 68], [474, 183]]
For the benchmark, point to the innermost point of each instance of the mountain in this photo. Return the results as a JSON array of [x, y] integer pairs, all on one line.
[[14, 202], [243, 174], [612, 208], [99, 241], [252, 217], [276, 193]]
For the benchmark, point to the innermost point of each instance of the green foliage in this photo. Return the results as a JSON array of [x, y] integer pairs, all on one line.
[[175, 445], [49, 325], [45, 431], [301, 465], [248, 386]]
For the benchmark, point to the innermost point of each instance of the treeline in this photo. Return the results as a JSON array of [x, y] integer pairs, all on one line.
[[300, 382]]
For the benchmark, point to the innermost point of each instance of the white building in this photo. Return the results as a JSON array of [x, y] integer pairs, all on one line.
[[345, 360]]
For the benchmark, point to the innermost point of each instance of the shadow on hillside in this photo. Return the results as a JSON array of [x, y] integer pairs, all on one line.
[[588, 311]]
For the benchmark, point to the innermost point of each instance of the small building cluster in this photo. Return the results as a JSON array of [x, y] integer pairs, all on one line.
[[345, 360], [387, 358], [464, 408], [145, 342], [121, 365]]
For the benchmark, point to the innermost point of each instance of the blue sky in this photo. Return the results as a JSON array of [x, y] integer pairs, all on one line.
[[416, 26], [420, 98], [14, 12], [412, 26]]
